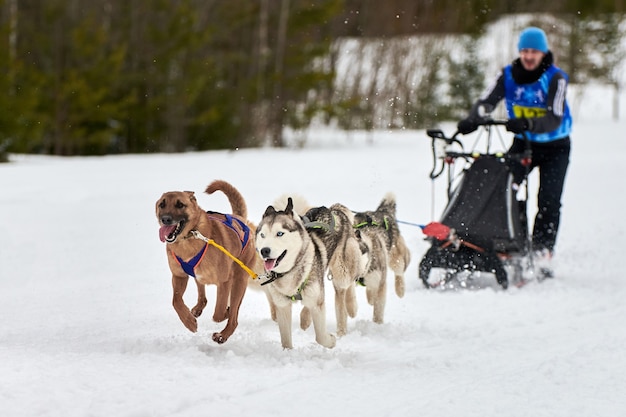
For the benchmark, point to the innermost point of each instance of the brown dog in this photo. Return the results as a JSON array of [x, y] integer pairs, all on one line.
[[202, 245]]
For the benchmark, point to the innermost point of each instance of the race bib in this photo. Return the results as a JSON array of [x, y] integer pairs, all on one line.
[[528, 112]]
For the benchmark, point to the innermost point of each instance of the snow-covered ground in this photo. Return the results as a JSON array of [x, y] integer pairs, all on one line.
[[87, 327]]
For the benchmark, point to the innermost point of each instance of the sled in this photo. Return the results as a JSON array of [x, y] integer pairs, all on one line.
[[482, 233]]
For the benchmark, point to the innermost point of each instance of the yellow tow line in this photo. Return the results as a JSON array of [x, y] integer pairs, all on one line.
[[199, 235]]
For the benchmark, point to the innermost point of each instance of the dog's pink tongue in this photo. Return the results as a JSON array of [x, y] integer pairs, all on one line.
[[164, 231], [269, 264]]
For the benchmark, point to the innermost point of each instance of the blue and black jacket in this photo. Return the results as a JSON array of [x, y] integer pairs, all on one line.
[[538, 95]]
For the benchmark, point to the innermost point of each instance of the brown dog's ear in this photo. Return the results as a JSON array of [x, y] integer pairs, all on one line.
[[160, 202], [269, 211], [289, 208], [192, 195]]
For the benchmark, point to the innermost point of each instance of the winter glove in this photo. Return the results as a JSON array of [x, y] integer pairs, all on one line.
[[518, 125], [466, 126]]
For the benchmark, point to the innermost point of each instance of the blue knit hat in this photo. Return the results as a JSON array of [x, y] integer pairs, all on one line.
[[533, 38]]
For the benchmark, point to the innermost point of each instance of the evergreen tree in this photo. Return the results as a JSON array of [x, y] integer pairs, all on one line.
[[466, 78]]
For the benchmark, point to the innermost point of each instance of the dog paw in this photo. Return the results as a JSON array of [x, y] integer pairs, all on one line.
[[191, 324], [218, 338], [329, 342], [197, 311], [218, 318], [332, 341]]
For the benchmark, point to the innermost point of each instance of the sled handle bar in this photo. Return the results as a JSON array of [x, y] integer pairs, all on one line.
[[435, 134], [474, 155], [492, 122], [438, 133]]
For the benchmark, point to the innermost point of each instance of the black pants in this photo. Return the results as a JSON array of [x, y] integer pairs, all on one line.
[[552, 159]]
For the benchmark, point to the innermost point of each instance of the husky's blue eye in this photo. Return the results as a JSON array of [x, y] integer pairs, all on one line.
[[280, 233]]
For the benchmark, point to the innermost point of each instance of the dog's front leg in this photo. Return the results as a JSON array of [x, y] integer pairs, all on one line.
[[199, 307], [283, 318], [179, 284], [318, 314], [272, 305]]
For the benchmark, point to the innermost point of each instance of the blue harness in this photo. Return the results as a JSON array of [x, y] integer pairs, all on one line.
[[190, 266]]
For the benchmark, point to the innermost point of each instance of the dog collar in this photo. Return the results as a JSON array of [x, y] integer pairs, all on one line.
[[272, 276]]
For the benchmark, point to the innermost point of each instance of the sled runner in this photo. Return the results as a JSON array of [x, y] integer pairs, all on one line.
[[483, 228]]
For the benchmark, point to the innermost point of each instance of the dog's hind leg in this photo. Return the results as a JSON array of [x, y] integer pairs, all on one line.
[[223, 295], [179, 285], [341, 311], [377, 295], [305, 318], [400, 286], [353, 262], [399, 257], [237, 290], [351, 304], [202, 301]]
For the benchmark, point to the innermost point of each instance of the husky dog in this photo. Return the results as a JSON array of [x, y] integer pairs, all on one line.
[[386, 249], [295, 262], [300, 206], [346, 260]]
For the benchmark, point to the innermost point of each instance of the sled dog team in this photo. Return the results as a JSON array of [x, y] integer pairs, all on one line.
[[292, 252]]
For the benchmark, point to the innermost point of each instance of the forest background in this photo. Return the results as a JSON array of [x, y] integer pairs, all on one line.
[[94, 77]]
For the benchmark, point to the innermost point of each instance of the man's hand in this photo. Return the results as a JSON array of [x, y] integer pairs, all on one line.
[[466, 126], [518, 125]]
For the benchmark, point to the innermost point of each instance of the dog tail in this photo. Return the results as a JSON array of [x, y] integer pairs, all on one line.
[[235, 198], [300, 204], [388, 204]]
